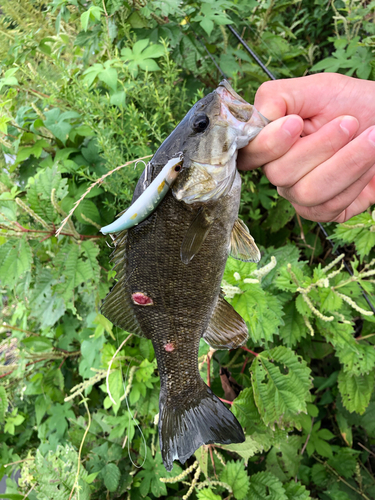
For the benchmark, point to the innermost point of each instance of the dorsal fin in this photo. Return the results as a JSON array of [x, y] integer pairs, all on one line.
[[117, 306], [242, 244], [226, 329]]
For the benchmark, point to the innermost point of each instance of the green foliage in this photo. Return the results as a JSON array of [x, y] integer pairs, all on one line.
[[56, 473], [235, 476], [86, 88]]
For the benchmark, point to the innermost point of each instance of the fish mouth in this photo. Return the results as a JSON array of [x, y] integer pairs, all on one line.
[[238, 113]]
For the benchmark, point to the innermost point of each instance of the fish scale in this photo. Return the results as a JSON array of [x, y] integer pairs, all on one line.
[[170, 264]]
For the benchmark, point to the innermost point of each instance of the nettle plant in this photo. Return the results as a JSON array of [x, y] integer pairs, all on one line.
[[83, 95]]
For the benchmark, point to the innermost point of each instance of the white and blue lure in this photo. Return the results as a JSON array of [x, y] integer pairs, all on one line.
[[149, 199]]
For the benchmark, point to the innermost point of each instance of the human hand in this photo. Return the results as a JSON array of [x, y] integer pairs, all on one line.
[[328, 174]]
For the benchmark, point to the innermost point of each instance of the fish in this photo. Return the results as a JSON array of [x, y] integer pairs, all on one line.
[[170, 262]]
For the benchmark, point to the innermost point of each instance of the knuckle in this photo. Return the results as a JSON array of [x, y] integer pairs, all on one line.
[[302, 194], [277, 175]]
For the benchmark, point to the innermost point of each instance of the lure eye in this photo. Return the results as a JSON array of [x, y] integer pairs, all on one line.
[[200, 122], [177, 168]]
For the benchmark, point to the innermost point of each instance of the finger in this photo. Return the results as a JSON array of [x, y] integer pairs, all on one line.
[[310, 151], [307, 97], [341, 208], [272, 143], [335, 175]]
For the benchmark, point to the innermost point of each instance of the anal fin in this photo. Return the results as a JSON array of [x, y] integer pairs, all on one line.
[[117, 306], [195, 236], [226, 330], [242, 244]]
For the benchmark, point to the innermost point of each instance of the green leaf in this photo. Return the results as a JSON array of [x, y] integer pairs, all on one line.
[[245, 410], [3, 403], [281, 383], [248, 448], [345, 462], [359, 231], [207, 494], [296, 491], [356, 391], [262, 312], [111, 474], [279, 215], [207, 25], [358, 361], [153, 471], [235, 475], [142, 57], [87, 209], [15, 260], [284, 460], [345, 429], [294, 328], [85, 17], [109, 76], [118, 99], [266, 486]]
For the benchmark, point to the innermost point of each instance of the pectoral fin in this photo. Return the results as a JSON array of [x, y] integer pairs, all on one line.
[[195, 236], [242, 244], [226, 330]]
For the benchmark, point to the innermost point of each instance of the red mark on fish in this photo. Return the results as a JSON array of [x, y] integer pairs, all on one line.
[[142, 299], [169, 347]]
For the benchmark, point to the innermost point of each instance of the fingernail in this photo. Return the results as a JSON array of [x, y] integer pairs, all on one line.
[[349, 125], [371, 136], [292, 126]]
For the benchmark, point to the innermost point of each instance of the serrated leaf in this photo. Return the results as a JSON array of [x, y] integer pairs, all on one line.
[[262, 312], [358, 361], [15, 260], [296, 491], [345, 462], [248, 448], [283, 461], [294, 328], [356, 391], [111, 474], [281, 383], [235, 475], [266, 486], [245, 410]]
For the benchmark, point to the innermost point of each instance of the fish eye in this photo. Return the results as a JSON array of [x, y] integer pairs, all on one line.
[[200, 122]]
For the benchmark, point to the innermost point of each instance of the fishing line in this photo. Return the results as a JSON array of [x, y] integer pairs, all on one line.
[[272, 77], [131, 416]]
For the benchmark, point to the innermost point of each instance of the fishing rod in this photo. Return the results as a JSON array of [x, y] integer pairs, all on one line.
[[272, 77]]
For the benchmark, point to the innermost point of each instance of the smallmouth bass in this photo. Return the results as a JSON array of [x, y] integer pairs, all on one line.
[[170, 262]]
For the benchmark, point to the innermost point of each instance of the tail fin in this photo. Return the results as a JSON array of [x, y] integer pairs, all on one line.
[[201, 419]]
